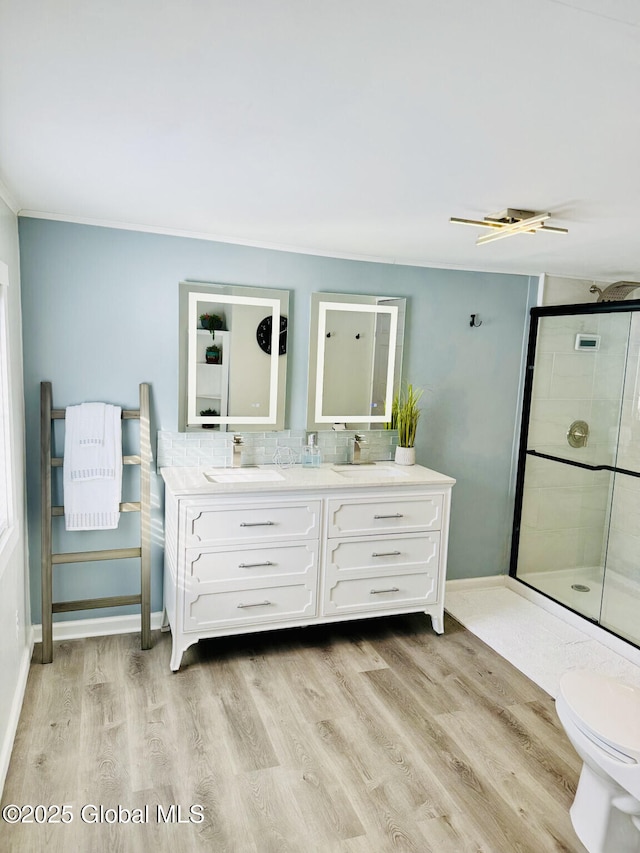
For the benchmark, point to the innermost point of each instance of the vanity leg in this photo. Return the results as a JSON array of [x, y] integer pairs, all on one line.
[[437, 621], [178, 647], [176, 658], [165, 621]]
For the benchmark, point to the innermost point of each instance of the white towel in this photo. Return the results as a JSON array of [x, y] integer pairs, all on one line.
[[92, 468], [90, 423]]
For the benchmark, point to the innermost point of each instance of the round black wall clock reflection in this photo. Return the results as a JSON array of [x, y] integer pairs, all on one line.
[[263, 335]]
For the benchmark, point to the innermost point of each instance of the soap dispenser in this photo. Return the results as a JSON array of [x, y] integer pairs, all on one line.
[[311, 454]]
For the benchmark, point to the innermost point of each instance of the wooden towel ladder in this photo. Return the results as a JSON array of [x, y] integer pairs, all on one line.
[[47, 415]]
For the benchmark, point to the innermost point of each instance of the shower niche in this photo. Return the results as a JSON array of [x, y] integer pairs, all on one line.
[[576, 534]]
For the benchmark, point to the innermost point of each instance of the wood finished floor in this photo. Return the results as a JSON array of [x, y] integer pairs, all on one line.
[[367, 737]]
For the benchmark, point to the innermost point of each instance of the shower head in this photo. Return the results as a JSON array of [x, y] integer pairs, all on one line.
[[614, 292]]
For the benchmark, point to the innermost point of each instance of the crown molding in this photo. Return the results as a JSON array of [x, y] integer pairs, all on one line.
[[255, 244], [199, 235]]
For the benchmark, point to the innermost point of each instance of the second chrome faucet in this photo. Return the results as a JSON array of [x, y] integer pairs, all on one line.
[[356, 449], [236, 459]]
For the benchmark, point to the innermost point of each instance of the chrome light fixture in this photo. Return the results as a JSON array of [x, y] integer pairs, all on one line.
[[509, 222]]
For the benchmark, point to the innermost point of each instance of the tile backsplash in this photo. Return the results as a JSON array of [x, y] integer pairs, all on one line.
[[209, 447]]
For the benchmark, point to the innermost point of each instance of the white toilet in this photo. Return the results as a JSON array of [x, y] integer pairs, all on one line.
[[601, 717]]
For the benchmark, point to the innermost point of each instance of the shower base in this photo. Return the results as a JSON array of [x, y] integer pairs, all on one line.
[[615, 608]]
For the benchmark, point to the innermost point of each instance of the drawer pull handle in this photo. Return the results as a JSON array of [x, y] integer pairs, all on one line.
[[253, 565], [255, 604], [378, 591], [386, 554], [395, 515], [256, 523]]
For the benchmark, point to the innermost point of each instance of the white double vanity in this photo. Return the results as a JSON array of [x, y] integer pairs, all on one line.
[[262, 548]]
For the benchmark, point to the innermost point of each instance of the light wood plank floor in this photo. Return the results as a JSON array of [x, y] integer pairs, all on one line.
[[366, 737]]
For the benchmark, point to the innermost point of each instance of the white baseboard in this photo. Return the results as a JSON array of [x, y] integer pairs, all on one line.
[[6, 745], [475, 583], [75, 629]]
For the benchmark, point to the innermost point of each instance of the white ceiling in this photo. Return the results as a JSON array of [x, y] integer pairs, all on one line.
[[344, 127]]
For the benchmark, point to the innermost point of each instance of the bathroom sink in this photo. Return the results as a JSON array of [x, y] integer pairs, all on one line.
[[374, 471], [242, 475]]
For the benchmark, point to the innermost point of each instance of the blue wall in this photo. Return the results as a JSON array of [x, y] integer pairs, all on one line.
[[100, 315]]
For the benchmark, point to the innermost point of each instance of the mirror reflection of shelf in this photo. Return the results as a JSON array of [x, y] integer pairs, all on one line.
[[212, 380], [204, 341], [206, 403]]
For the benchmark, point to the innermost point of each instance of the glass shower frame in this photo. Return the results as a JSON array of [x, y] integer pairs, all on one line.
[[608, 473]]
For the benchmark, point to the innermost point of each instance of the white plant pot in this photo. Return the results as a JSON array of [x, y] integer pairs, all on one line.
[[405, 456]]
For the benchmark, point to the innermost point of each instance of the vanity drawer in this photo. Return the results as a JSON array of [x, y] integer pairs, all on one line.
[[400, 591], [240, 563], [351, 517], [412, 551], [223, 525], [217, 606]]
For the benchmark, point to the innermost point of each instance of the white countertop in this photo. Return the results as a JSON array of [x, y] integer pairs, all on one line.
[[262, 478]]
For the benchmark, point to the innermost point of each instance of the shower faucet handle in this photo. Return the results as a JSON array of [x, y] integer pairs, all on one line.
[[578, 434]]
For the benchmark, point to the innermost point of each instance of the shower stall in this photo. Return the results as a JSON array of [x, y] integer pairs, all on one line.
[[576, 534]]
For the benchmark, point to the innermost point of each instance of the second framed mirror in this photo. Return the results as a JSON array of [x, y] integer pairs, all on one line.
[[355, 359]]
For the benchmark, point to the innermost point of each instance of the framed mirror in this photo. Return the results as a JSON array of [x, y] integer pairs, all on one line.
[[355, 359], [233, 356]]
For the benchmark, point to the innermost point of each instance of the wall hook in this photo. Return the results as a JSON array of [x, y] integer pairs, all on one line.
[[358, 336], [475, 322]]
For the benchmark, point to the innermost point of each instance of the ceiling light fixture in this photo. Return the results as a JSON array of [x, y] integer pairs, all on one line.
[[509, 222]]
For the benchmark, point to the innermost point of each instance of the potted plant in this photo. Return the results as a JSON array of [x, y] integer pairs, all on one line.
[[211, 322], [405, 414], [213, 354], [209, 413]]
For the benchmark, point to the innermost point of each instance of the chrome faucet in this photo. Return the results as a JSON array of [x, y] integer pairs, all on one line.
[[358, 441], [236, 461]]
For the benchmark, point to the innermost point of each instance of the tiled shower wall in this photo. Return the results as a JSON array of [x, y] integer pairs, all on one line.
[[211, 447]]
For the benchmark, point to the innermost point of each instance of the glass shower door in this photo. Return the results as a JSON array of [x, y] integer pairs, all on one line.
[[621, 593], [568, 453]]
